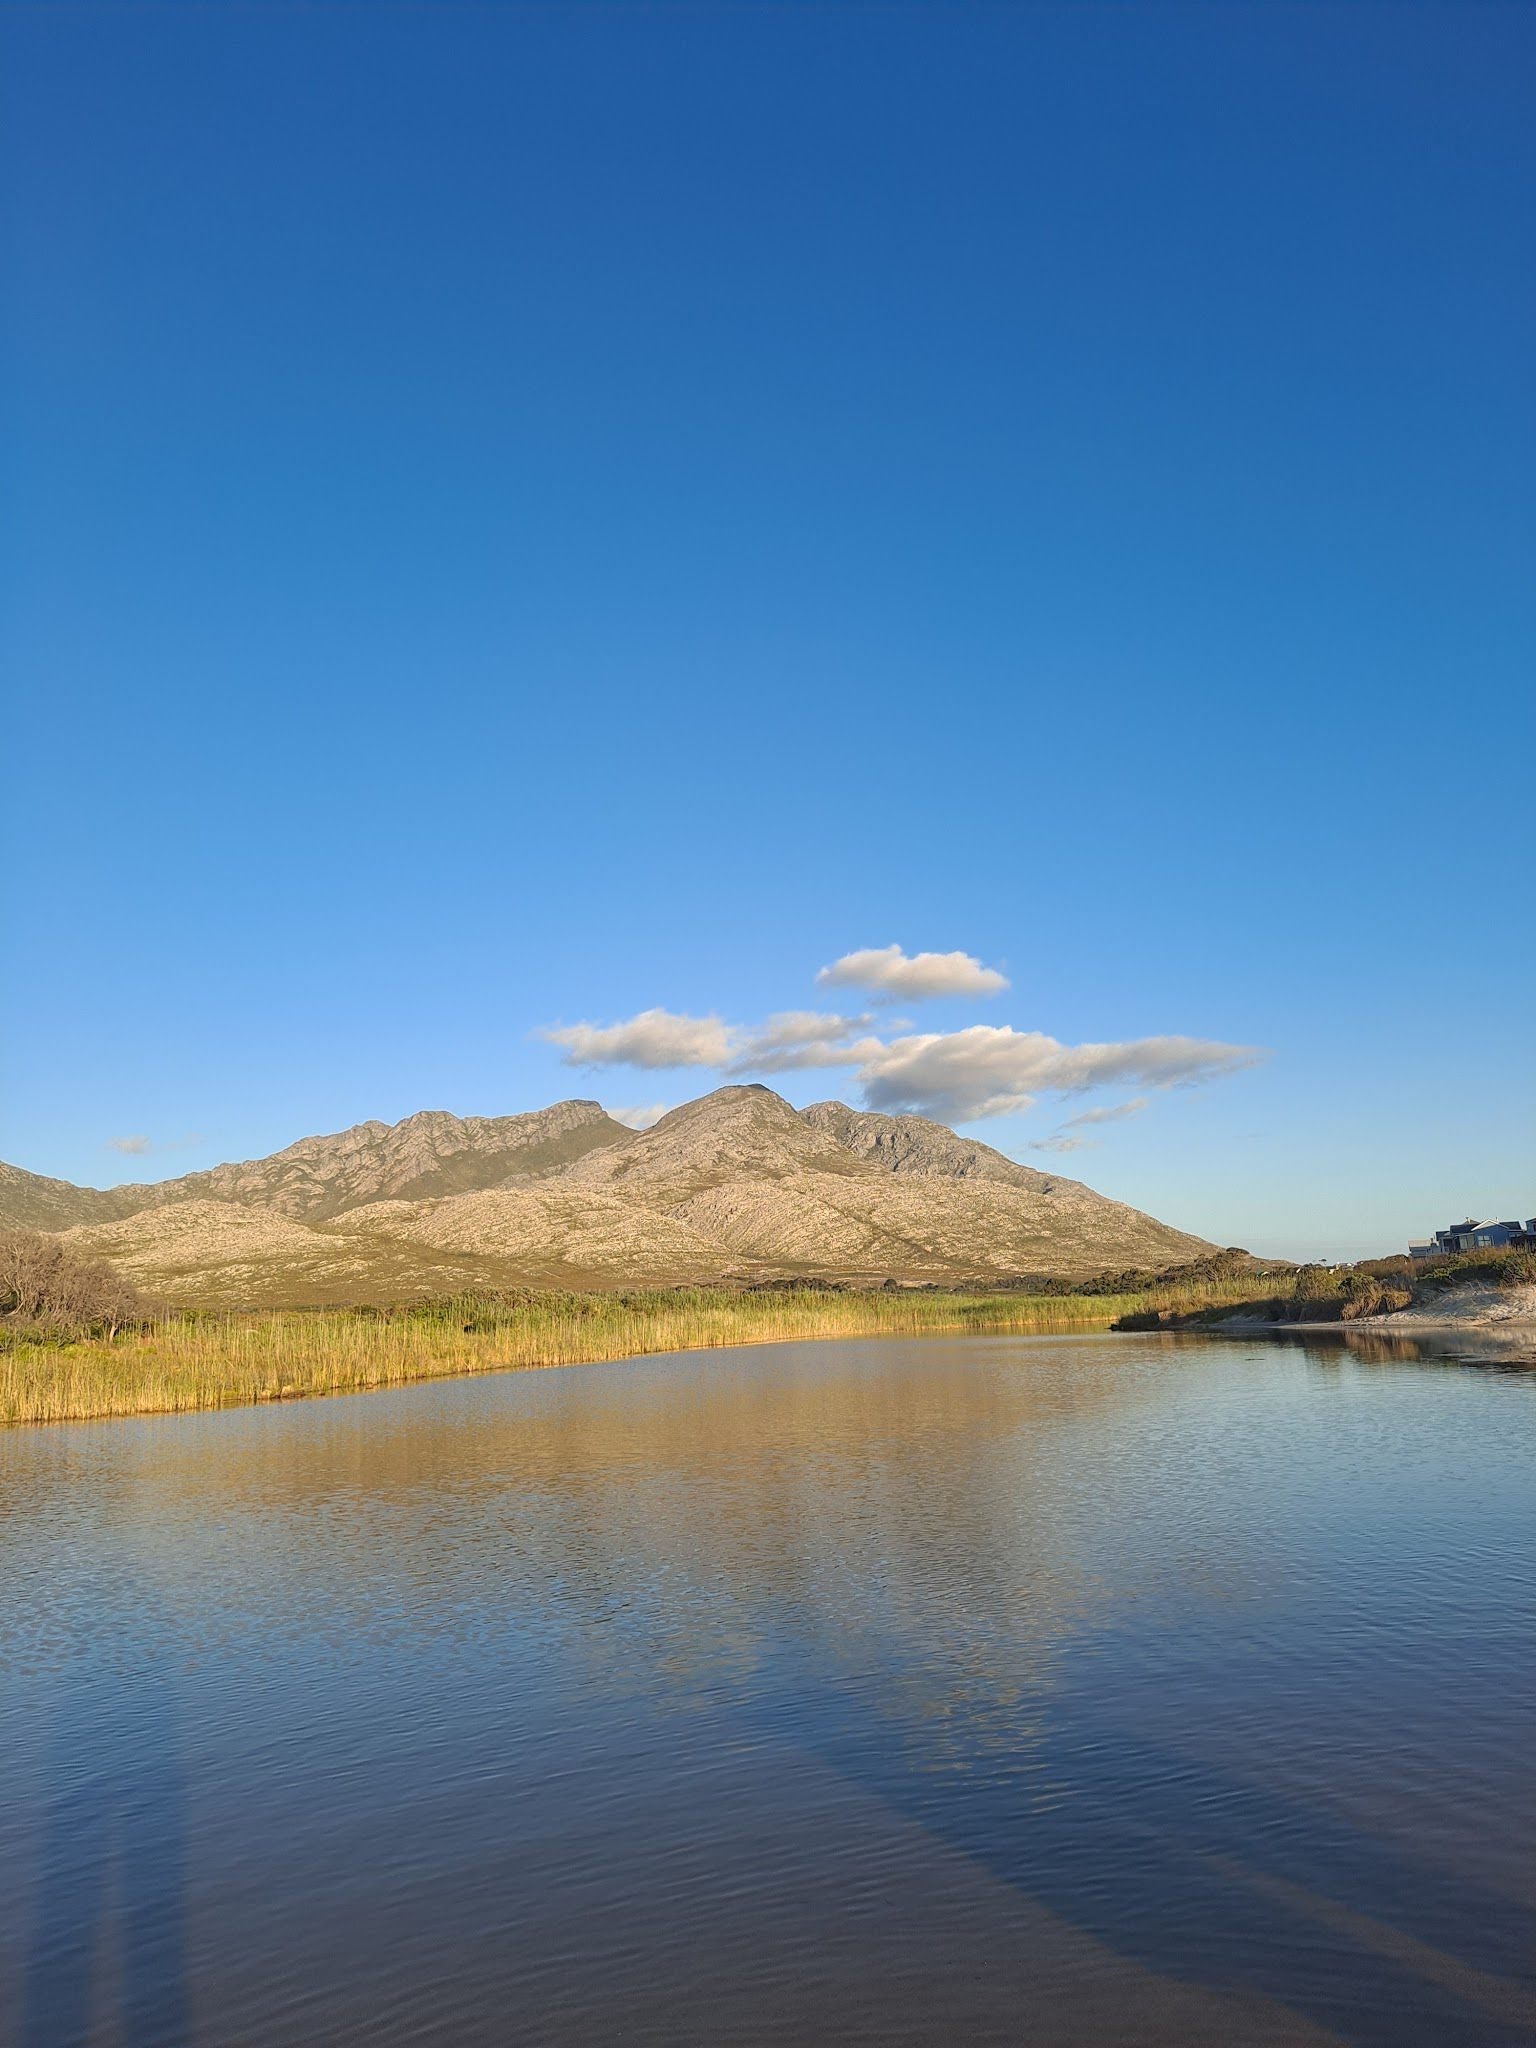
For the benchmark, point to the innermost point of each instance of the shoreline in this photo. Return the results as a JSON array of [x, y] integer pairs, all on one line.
[[1476, 1306], [186, 1364], [194, 1365]]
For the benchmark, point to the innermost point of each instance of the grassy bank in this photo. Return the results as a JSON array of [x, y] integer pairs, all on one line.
[[181, 1362]]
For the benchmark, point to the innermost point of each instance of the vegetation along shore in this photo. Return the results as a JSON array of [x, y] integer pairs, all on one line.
[[77, 1342], [1463, 1288]]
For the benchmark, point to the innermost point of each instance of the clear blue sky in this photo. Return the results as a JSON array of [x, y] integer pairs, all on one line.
[[523, 516]]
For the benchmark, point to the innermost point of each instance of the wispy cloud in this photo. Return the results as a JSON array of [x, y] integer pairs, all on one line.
[[1112, 1113], [1064, 1138], [136, 1146], [991, 1070], [639, 1115], [888, 971]]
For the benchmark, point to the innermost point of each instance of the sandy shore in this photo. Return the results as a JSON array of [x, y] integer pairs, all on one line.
[[1506, 1311], [1478, 1306]]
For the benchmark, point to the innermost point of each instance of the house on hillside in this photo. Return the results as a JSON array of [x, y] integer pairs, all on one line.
[[1473, 1236]]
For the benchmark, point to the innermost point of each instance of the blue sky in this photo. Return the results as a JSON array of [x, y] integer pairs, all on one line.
[[522, 517]]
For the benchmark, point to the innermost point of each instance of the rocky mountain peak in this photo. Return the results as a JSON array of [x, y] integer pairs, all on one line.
[[739, 1130]]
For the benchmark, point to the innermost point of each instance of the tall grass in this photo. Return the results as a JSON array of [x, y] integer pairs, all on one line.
[[201, 1361]]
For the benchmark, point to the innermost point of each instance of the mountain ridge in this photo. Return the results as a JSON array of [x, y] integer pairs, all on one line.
[[316, 1178], [735, 1186]]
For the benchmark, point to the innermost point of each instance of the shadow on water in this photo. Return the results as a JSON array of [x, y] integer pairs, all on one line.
[[1238, 1888], [111, 1881]]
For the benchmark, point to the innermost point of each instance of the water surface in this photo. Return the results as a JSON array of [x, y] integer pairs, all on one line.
[[1068, 1690]]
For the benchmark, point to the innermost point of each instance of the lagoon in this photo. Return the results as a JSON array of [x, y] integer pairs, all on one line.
[[1071, 1689]]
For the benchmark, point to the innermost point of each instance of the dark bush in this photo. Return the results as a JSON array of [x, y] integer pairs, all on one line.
[[1141, 1319], [47, 1287], [1364, 1293], [1231, 1264]]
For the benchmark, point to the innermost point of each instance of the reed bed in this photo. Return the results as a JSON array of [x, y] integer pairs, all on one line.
[[193, 1361]]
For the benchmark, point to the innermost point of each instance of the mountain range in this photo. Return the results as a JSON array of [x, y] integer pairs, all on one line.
[[738, 1185]]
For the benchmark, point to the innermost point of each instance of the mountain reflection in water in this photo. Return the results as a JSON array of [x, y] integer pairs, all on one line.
[[1069, 1689]]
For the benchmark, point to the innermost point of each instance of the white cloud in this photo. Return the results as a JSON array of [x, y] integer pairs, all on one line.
[[961, 1076], [991, 1070], [653, 1038], [1110, 1114], [888, 971], [985, 1070], [135, 1146], [662, 1038], [639, 1115], [800, 1038], [1169, 1061], [1062, 1140]]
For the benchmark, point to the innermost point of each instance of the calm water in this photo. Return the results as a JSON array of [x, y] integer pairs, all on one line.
[[1060, 1690]]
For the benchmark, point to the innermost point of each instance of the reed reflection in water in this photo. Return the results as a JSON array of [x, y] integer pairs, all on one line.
[[1079, 1689]]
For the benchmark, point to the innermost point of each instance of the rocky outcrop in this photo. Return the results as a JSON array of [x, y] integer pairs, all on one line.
[[915, 1144]]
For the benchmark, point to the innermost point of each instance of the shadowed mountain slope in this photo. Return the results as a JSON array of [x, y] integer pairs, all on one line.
[[915, 1144], [738, 1185]]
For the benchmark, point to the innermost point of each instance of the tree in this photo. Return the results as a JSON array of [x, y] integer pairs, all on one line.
[[45, 1285]]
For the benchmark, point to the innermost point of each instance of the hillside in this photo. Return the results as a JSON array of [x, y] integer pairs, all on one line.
[[738, 1186], [30, 1201], [425, 1156]]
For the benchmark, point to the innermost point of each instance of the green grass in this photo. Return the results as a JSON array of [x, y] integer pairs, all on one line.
[[190, 1361]]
